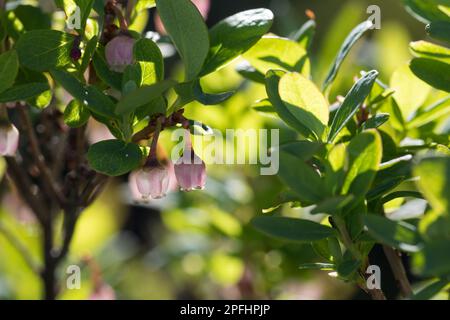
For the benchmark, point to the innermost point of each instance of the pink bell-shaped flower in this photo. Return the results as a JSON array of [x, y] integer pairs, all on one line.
[[190, 170], [152, 181], [119, 52], [9, 140]]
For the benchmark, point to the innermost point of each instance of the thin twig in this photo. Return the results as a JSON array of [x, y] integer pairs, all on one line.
[[23, 185], [399, 271], [49, 183], [20, 247]]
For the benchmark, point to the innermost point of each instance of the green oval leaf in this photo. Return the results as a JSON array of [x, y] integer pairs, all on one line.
[[354, 98], [142, 96], [275, 53], [9, 67], [348, 43], [93, 98], [364, 154], [304, 100], [434, 181], [292, 229], [434, 72], [234, 35], [76, 114], [186, 28], [114, 157], [150, 61], [111, 78], [42, 50], [398, 234], [301, 178], [272, 81], [23, 91], [424, 49], [439, 30], [410, 92]]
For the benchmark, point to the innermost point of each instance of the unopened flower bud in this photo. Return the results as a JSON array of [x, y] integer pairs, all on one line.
[[9, 140], [152, 181], [119, 53], [75, 54]]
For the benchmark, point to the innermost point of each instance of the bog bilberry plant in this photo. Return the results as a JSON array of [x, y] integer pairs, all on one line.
[[349, 159], [104, 70]]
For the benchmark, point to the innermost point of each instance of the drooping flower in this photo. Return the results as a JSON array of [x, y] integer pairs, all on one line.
[[152, 180], [119, 53], [190, 170], [9, 140]]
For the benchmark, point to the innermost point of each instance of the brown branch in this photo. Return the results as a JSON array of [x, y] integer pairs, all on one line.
[[144, 134], [399, 271], [50, 185]]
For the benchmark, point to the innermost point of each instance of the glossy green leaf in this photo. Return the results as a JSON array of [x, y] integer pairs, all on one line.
[[76, 114], [305, 35], [93, 98], [437, 110], [208, 98], [274, 53], [435, 73], [234, 35], [150, 61], [353, 100], [41, 100], [333, 204], [364, 154], [9, 66], [272, 83], [142, 96], [434, 181], [32, 17], [398, 234], [375, 121], [301, 178], [186, 27], [351, 39], [305, 102], [384, 187], [292, 229], [424, 49], [23, 91], [439, 30], [114, 157], [112, 78], [42, 50], [348, 267], [410, 92], [88, 53], [426, 10]]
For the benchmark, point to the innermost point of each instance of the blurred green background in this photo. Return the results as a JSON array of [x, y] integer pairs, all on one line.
[[199, 245]]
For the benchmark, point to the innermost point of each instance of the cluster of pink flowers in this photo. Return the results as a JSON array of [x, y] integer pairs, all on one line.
[[154, 180]]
